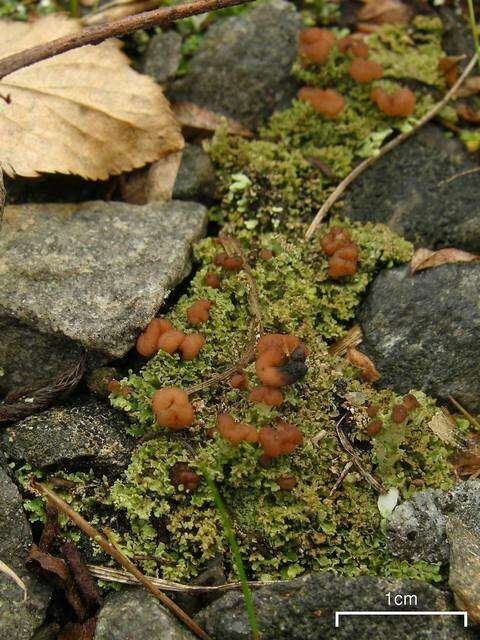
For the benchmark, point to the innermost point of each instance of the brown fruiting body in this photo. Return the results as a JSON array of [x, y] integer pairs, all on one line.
[[365, 70], [372, 410], [198, 312], [181, 474], [280, 360], [328, 103], [239, 381], [368, 371], [356, 46], [336, 238], [399, 413], [231, 263], [170, 341], [191, 345], [266, 395], [449, 69], [147, 341], [286, 483], [235, 432], [410, 402], [212, 280], [280, 441], [401, 103], [265, 254], [118, 389], [374, 427], [316, 44], [172, 408]]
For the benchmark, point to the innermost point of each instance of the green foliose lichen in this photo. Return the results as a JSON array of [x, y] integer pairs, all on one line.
[[280, 533], [289, 170]]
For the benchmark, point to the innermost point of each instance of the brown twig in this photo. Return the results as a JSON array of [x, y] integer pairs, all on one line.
[[462, 174], [341, 188], [352, 338], [24, 402], [347, 445], [117, 28], [340, 478], [117, 555], [473, 421]]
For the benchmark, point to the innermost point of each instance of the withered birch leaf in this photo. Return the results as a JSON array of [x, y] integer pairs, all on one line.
[[199, 119], [84, 112], [427, 259], [363, 362], [384, 12]]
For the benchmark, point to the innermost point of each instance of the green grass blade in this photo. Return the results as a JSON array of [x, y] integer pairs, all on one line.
[[237, 558], [474, 26]]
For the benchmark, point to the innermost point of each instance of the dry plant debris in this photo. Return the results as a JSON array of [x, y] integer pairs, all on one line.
[[84, 112], [426, 259]]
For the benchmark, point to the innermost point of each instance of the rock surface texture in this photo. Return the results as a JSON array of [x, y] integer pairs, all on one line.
[[82, 435], [18, 618], [163, 56], [406, 190], [422, 331], [94, 273], [417, 528], [242, 67], [196, 176], [133, 614], [305, 608]]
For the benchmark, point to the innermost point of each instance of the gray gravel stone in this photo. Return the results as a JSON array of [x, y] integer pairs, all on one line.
[[28, 357], [305, 609], [403, 190], [163, 56], [417, 528], [18, 619], [196, 176], [422, 331], [133, 614], [95, 273], [242, 67], [82, 435]]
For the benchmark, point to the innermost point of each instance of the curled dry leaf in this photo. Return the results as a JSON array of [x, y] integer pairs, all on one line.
[[426, 259], [154, 184], [84, 112], [363, 362], [200, 120], [381, 12]]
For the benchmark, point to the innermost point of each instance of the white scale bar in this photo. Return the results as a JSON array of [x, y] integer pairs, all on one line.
[[401, 613]]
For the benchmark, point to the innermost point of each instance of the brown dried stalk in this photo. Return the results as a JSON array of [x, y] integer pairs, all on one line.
[[117, 555], [117, 28], [347, 445], [24, 402], [342, 187]]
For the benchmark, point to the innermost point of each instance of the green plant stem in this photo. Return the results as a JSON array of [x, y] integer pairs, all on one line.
[[74, 8], [474, 26], [237, 558]]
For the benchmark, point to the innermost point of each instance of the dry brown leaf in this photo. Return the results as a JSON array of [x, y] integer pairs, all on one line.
[[385, 12], [84, 112], [470, 87], [465, 112], [444, 427], [363, 362], [426, 259], [198, 119], [154, 184]]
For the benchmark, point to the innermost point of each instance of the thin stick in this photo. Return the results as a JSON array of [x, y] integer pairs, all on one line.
[[117, 28], [473, 25], [473, 421], [340, 478], [117, 555], [462, 174], [347, 445], [341, 188]]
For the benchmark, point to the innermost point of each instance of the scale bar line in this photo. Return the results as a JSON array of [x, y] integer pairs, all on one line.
[[464, 614]]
